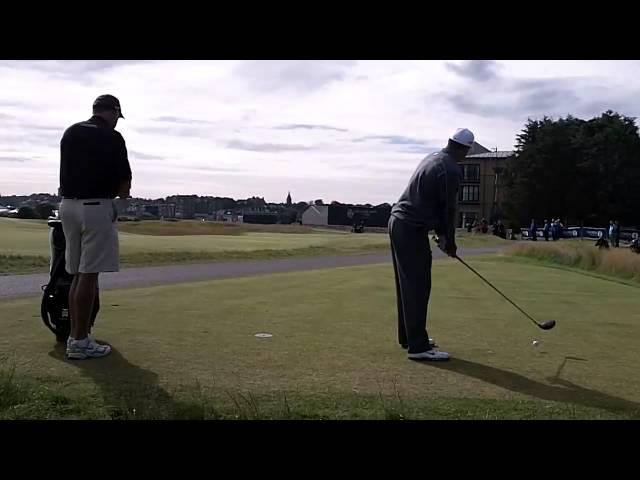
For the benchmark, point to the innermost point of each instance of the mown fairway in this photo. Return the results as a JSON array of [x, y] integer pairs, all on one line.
[[189, 351]]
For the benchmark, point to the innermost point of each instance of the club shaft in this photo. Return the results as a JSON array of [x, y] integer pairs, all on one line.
[[502, 294]]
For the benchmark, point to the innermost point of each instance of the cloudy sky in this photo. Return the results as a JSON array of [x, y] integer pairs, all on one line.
[[338, 130]]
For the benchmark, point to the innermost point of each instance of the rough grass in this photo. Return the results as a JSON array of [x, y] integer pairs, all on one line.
[[23, 397], [615, 262], [10, 264], [181, 351], [191, 227]]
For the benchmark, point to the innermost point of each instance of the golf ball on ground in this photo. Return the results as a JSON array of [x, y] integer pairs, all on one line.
[[535, 343]]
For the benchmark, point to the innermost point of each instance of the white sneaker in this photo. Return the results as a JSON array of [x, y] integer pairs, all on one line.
[[88, 348], [91, 339], [432, 355]]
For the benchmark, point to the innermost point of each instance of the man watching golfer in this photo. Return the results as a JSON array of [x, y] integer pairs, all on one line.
[[428, 203], [94, 169]]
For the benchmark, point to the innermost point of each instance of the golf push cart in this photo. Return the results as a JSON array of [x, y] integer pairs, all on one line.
[[54, 308]]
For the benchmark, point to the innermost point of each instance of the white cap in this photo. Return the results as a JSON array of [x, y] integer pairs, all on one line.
[[463, 136]]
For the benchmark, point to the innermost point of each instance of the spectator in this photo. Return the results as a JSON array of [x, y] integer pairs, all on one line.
[[602, 243], [484, 225], [611, 230], [616, 234], [560, 228], [556, 229], [533, 230], [635, 243], [545, 230]]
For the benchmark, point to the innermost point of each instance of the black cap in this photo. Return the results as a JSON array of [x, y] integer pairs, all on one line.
[[109, 102]]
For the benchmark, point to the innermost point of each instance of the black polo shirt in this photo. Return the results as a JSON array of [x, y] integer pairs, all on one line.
[[93, 160]]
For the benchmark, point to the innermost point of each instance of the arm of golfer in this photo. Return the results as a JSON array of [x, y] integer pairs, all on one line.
[[448, 201], [123, 170]]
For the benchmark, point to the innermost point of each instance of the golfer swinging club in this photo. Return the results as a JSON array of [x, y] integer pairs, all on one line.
[[94, 169], [428, 203]]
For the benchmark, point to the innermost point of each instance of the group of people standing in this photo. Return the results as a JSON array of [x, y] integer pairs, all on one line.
[[551, 229], [611, 236], [554, 229], [476, 226], [498, 229]]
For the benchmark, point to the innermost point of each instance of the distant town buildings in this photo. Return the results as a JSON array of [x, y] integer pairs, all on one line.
[[253, 209], [480, 196]]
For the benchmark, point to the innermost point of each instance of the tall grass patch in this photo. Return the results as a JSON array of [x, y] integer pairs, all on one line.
[[617, 262]]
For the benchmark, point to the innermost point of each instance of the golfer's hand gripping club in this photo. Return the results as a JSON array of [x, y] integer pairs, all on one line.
[[449, 248]]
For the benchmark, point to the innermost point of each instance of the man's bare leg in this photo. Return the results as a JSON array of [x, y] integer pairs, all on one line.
[[72, 313], [81, 303], [94, 305]]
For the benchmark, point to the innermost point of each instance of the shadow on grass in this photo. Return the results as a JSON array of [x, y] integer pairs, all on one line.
[[129, 391], [558, 390]]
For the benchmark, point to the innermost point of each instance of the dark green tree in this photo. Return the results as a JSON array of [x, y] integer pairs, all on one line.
[[581, 171], [608, 171]]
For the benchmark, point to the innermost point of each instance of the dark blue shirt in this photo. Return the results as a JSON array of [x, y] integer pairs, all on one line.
[[431, 198]]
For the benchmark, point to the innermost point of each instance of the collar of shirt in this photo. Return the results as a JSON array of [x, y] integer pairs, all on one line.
[[98, 120]]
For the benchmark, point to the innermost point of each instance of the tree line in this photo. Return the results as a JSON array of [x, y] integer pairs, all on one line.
[[583, 171]]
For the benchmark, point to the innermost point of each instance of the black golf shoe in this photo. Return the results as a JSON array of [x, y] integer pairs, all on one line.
[[432, 344]]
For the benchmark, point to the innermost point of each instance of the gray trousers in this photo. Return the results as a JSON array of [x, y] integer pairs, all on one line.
[[412, 265]]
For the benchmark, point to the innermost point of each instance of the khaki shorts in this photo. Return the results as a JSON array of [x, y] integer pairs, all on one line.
[[91, 232]]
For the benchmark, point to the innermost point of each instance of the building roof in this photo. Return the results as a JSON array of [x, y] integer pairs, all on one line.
[[477, 148], [498, 154], [318, 208]]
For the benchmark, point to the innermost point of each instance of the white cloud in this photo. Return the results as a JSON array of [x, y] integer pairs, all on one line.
[[337, 130]]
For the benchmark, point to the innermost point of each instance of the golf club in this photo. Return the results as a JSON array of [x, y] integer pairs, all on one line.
[[548, 325]]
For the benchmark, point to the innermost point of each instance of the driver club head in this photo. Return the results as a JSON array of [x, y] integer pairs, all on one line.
[[548, 325]]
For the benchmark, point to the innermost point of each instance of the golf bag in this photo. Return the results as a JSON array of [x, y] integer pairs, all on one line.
[[54, 308], [635, 245]]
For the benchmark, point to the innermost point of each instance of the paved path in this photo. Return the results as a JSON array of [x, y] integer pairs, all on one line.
[[12, 286]]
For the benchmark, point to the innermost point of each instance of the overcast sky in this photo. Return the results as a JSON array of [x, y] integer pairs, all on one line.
[[338, 130]]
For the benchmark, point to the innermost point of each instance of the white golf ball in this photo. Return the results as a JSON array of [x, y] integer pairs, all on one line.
[[535, 343]]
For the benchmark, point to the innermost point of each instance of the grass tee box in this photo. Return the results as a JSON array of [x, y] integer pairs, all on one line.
[[25, 245], [190, 350]]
